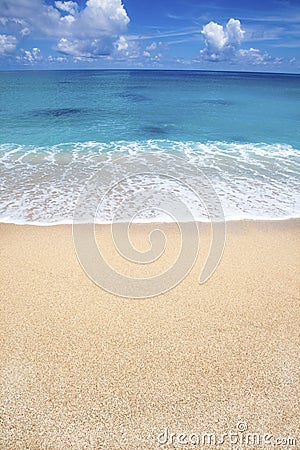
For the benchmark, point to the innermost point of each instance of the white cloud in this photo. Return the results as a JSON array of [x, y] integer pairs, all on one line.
[[25, 31], [89, 49], [214, 35], [121, 45], [91, 31], [36, 53], [222, 42], [99, 19], [86, 48], [152, 46], [69, 7], [254, 56], [234, 33], [59, 59], [125, 49], [7, 44], [30, 56], [68, 47]]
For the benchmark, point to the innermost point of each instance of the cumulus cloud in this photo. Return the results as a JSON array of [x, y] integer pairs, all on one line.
[[122, 44], [69, 7], [152, 52], [234, 33], [56, 59], [255, 56], [90, 32], [7, 44], [89, 49], [222, 42], [85, 48], [29, 57], [100, 18], [125, 49]]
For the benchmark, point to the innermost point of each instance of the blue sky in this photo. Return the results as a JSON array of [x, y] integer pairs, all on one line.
[[250, 35]]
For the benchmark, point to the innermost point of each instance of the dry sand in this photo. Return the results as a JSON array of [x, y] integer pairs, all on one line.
[[83, 369]]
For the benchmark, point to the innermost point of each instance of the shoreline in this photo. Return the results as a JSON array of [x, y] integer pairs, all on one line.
[[82, 368], [295, 219]]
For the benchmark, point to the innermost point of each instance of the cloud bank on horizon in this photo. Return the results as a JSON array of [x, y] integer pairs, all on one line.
[[100, 33]]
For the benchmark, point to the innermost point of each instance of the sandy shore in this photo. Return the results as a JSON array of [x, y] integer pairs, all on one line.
[[83, 369]]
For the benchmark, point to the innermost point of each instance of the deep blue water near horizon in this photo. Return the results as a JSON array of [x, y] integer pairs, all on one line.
[[241, 129], [52, 107]]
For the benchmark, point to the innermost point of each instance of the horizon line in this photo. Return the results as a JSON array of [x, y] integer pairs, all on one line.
[[145, 69]]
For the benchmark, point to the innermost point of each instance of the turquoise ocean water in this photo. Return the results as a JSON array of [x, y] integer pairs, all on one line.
[[57, 127]]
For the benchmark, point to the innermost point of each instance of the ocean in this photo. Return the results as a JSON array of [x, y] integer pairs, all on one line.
[[58, 128]]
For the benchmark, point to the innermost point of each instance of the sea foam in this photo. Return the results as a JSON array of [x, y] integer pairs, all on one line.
[[41, 185]]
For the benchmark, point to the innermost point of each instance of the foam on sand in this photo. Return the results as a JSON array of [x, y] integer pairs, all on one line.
[[40, 185]]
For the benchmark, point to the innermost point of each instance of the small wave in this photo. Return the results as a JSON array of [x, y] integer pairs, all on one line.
[[40, 185]]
